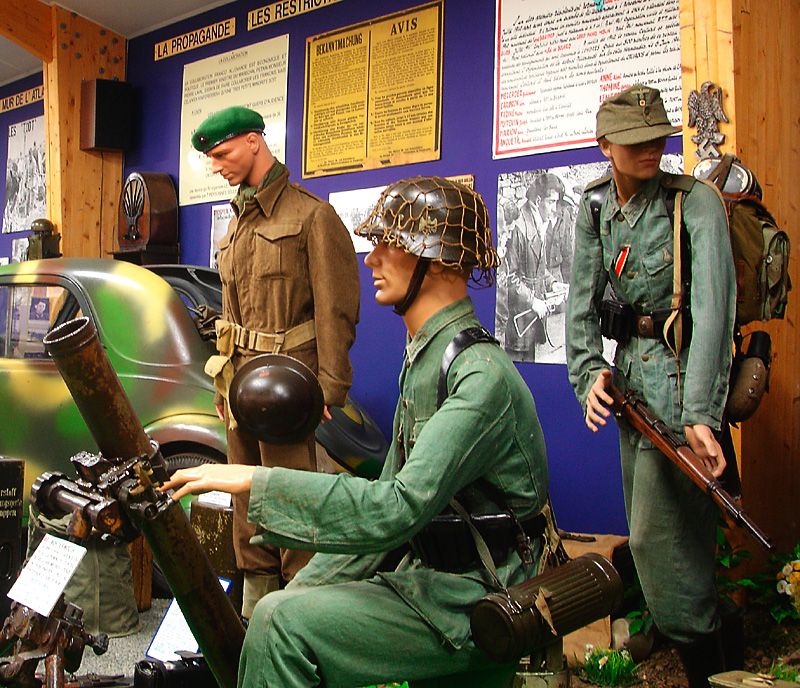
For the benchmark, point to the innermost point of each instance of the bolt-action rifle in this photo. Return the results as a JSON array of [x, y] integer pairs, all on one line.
[[632, 407]]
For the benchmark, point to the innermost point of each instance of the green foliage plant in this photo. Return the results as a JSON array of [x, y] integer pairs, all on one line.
[[785, 672], [605, 667]]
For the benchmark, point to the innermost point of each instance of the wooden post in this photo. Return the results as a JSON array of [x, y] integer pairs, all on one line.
[[750, 49], [83, 187]]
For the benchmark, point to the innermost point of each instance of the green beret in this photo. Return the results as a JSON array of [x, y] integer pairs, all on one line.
[[224, 125], [633, 116]]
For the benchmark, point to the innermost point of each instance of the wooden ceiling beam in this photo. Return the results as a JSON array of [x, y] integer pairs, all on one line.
[[28, 24]]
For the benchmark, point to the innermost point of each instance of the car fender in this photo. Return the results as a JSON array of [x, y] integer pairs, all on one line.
[[190, 429]]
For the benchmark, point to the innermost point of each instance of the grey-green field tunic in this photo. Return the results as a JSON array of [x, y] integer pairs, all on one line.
[[340, 622], [672, 523]]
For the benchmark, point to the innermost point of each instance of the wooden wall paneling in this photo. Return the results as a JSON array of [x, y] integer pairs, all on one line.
[[83, 187], [767, 119], [85, 197]]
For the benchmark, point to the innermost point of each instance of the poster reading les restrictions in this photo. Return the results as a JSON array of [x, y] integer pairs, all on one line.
[[557, 60], [373, 93]]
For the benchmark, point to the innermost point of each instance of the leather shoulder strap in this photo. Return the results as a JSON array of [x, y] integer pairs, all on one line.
[[463, 340], [678, 182]]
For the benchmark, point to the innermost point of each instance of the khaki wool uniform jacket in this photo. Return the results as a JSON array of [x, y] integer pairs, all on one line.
[[287, 259]]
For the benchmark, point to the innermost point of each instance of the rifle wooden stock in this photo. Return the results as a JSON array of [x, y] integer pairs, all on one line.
[[632, 407]]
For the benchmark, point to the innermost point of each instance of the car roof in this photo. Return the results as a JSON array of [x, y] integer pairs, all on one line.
[[137, 313]]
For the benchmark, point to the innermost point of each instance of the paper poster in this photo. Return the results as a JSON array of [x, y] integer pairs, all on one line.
[[535, 239], [373, 93], [354, 207], [26, 191], [221, 216], [557, 60], [173, 634], [44, 577], [253, 76]]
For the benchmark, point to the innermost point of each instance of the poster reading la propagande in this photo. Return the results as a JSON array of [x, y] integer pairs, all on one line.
[[253, 76], [373, 93], [557, 60], [26, 192]]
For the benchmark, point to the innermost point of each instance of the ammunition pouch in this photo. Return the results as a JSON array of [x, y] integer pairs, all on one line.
[[447, 544], [619, 321]]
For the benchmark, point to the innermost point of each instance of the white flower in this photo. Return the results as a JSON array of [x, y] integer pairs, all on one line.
[[786, 570], [789, 589], [782, 586]]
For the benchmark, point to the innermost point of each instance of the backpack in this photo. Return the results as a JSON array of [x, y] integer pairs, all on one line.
[[760, 248]]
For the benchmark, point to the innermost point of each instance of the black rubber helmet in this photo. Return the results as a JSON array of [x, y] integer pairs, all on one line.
[[437, 219], [276, 398]]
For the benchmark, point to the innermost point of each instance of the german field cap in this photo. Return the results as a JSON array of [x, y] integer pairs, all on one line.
[[633, 116], [224, 125]]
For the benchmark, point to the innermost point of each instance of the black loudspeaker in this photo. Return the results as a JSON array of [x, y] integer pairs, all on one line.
[[106, 115]]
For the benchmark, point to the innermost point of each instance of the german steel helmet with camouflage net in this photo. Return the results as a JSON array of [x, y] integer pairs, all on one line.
[[437, 219], [276, 398]]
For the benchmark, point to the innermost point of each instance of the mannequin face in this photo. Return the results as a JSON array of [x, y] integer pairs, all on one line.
[[636, 163], [392, 268], [235, 159]]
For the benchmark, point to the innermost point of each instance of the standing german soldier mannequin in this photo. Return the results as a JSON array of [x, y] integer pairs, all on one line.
[[625, 237], [289, 285]]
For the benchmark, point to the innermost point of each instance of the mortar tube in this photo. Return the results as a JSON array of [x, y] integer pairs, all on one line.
[[106, 409]]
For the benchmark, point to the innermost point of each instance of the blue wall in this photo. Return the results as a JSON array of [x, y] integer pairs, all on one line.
[[7, 119], [585, 479]]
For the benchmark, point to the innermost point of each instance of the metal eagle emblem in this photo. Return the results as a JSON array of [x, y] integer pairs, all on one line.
[[705, 112]]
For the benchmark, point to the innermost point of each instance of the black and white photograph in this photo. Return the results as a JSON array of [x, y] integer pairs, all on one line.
[[26, 197], [535, 239]]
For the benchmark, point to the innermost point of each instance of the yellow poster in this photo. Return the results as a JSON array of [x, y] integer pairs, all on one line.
[[373, 93]]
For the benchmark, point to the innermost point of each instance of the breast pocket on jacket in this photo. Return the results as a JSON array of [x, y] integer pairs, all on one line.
[[225, 259], [277, 249]]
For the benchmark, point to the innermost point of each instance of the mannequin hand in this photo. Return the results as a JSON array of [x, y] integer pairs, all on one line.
[[598, 401], [231, 478], [704, 444]]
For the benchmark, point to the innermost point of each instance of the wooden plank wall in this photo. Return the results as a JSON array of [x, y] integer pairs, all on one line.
[[750, 49], [83, 187], [767, 119]]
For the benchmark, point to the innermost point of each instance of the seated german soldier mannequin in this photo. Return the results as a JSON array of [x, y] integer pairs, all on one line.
[[343, 620]]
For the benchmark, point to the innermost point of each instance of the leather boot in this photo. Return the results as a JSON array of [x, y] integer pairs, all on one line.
[[256, 585], [702, 658]]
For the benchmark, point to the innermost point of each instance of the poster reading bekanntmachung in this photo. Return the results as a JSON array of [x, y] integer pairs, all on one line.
[[535, 239], [373, 93], [26, 192], [557, 60]]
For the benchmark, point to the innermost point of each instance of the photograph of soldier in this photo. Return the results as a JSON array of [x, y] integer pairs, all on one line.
[[556, 192], [25, 175]]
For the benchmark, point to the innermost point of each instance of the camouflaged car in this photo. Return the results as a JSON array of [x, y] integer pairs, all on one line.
[[151, 340], [149, 321]]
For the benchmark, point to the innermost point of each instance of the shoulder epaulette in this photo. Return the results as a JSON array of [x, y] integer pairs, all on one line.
[[679, 182], [303, 190], [597, 183]]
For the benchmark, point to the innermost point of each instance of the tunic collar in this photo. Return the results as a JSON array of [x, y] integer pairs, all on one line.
[[435, 324], [267, 192], [637, 204]]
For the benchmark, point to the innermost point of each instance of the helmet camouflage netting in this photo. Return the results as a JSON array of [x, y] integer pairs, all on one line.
[[437, 219]]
